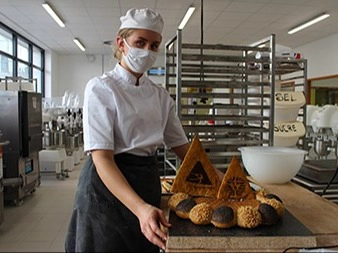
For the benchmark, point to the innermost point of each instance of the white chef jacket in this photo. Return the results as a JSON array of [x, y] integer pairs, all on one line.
[[119, 116]]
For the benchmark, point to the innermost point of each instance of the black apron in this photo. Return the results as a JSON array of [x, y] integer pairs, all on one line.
[[100, 222]]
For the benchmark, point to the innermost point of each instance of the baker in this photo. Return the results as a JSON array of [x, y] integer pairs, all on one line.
[[125, 119]]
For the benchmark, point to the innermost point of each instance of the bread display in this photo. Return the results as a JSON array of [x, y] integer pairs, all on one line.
[[272, 200], [275, 204], [223, 217], [273, 196], [201, 214], [200, 195], [235, 186], [175, 199], [183, 208], [268, 213], [248, 217], [196, 175]]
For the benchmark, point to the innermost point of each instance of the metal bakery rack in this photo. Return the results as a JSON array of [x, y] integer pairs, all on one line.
[[224, 94]]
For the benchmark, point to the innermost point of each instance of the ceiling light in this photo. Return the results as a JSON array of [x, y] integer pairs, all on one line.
[[308, 23], [52, 13], [186, 18], [79, 44]]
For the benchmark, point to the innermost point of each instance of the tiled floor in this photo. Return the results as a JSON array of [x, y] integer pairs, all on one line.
[[40, 223]]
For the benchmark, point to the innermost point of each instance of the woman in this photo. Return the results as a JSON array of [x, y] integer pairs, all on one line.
[[126, 118]]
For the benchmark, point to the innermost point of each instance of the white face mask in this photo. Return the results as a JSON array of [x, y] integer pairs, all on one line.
[[139, 60]]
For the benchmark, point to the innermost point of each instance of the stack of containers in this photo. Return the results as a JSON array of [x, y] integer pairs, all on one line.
[[287, 128]]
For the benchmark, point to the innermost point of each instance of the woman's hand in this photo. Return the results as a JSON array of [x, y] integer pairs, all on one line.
[[150, 219]]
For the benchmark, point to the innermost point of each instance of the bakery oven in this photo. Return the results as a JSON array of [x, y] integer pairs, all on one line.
[[21, 123], [2, 143]]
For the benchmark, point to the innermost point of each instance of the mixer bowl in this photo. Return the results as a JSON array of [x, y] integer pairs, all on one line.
[[272, 165]]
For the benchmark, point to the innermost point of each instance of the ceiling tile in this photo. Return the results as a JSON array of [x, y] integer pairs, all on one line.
[[224, 21]]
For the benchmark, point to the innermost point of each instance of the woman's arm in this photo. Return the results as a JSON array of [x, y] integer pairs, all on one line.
[[181, 151], [114, 180]]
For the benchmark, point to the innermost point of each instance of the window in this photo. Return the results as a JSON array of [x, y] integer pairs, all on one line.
[[6, 44], [38, 76], [323, 90], [19, 57], [23, 50], [6, 66], [37, 55], [23, 70]]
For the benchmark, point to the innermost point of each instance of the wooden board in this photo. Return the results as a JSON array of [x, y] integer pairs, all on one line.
[[184, 236]]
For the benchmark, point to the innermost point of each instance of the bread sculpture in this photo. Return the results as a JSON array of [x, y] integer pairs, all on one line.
[[196, 175], [199, 194]]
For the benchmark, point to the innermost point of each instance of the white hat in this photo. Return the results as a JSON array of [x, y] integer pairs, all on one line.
[[142, 19]]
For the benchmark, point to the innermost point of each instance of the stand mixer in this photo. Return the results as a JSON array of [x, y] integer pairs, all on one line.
[[323, 143], [62, 135], [322, 132], [318, 172]]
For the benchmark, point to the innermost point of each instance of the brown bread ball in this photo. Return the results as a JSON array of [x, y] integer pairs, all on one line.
[[183, 208], [248, 217], [223, 217], [273, 196], [201, 214], [268, 213], [175, 199]]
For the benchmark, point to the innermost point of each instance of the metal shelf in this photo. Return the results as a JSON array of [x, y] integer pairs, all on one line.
[[225, 94]]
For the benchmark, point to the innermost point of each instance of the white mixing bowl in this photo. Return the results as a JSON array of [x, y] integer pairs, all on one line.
[[272, 165]]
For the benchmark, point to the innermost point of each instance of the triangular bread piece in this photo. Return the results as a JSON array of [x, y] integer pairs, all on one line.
[[196, 175], [235, 185]]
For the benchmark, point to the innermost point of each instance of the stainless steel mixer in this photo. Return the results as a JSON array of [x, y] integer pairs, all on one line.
[[54, 137], [74, 136], [318, 171], [323, 143]]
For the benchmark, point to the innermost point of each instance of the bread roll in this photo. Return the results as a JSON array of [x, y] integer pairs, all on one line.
[[248, 217], [201, 214], [223, 217], [268, 213], [175, 199], [183, 208]]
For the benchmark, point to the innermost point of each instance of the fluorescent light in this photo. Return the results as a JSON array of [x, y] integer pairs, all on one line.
[[260, 46], [186, 18], [308, 23], [79, 44], [52, 13]]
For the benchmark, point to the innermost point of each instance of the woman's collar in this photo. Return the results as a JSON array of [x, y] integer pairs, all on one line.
[[129, 77]]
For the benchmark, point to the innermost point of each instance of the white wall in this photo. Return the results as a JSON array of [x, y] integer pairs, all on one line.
[[51, 72], [322, 56], [74, 71]]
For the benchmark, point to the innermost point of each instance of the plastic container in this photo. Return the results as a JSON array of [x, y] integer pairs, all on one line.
[[287, 134], [272, 165], [287, 105]]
